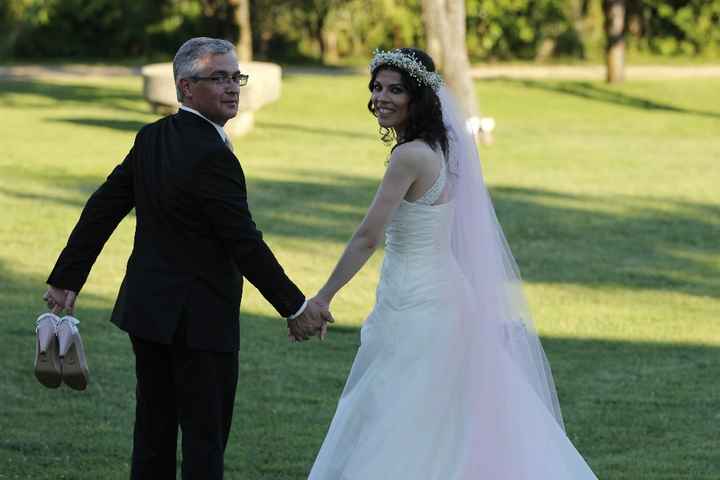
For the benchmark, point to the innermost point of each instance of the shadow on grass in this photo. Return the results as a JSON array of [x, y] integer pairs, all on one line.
[[325, 132], [654, 244], [641, 243], [123, 125], [622, 401], [625, 401], [75, 189], [591, 91], [326, 209], [77, 201], [122, 99]]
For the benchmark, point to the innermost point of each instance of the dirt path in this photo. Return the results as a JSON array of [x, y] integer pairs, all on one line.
[[559, 72], [593, 72], [69, 70]]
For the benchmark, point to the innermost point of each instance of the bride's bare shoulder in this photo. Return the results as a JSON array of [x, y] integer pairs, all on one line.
[[417, 152]]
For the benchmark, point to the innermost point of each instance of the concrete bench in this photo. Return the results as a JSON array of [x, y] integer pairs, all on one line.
[[263, 87]]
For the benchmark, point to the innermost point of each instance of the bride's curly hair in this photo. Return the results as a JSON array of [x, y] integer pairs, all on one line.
[[425, 120]]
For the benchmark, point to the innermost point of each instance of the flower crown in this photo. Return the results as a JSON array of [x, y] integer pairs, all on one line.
[[408, 63]]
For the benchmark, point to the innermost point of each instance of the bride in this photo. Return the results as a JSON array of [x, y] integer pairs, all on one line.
[[450, 381]]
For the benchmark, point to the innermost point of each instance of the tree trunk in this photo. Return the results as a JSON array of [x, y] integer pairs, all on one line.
[[435, 20], [546, 49], [456, 60], [242, 22], [331, 54], [318, 33], [615, 34], [315, 25], [445, 25]]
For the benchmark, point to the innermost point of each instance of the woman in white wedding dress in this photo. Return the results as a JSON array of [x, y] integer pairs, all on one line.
[[450, 381]]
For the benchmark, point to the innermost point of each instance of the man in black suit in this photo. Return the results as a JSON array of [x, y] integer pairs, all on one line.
[[195, 240]]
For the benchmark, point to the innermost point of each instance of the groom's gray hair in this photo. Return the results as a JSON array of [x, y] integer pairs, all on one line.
[[186, 63]]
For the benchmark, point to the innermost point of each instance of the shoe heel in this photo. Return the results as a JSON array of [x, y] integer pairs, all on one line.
[[48, 369], [75, 372], [74, 368]]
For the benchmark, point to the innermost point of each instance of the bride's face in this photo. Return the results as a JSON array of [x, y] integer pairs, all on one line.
[[390, 100]]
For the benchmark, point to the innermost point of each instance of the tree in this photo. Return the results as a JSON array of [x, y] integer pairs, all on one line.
[[242, 22], [446, 38], [436, 29], [315, 14], [615, 37]]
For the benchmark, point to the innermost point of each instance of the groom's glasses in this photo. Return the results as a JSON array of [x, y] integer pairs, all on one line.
[[238, 79]]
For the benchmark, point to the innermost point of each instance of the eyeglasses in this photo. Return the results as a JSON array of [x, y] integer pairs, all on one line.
[[238, 79]]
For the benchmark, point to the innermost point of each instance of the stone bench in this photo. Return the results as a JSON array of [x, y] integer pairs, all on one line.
[[263, 87]]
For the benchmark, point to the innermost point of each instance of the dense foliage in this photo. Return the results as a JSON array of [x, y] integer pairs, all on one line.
[[328, 30]]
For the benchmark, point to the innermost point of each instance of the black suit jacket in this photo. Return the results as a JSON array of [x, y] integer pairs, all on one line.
[[195, 239]]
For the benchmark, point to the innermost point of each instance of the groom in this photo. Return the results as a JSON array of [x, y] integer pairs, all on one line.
[[195, 240]]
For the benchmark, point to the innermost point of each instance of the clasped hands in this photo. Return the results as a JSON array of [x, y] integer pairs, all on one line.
[[313, 321]]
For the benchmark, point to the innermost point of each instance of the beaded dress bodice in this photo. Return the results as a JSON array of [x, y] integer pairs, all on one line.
[[421, 227]]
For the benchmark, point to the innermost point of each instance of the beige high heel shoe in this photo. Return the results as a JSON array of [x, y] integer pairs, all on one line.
[[72, 354], [48, 369]]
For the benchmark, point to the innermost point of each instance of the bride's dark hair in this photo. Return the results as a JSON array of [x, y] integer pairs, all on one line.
[[425, 120]]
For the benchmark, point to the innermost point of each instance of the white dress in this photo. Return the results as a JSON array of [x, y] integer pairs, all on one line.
[[408, 411]]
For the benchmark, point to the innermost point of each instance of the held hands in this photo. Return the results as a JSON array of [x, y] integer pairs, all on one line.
[[58, 300], [313, 321]]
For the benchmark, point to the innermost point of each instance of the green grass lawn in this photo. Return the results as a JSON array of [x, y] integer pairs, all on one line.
[[610, 198]]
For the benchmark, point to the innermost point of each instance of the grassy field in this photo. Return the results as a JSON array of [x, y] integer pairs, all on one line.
[[609, 197]]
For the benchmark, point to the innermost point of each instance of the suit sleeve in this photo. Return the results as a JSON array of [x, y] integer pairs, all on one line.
[[104, 210], [223, 193]]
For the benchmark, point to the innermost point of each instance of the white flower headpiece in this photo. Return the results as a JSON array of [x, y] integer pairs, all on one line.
[[408, 63]]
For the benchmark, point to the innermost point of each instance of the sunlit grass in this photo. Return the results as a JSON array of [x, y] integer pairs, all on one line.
[[608, 195]]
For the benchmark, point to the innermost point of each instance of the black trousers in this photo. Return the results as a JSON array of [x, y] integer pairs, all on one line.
[[190, 389]]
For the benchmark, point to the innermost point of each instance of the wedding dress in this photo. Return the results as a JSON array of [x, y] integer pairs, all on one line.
[[446, 386]]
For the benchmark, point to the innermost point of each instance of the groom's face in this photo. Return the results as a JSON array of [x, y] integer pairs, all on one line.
[[218, 101]]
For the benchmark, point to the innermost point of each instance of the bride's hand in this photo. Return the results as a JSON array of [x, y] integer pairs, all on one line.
[[322, 305]]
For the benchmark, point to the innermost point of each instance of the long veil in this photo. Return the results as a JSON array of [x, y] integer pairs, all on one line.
[[495, 299]]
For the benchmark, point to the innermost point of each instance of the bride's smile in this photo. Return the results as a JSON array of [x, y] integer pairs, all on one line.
[[390, 99]]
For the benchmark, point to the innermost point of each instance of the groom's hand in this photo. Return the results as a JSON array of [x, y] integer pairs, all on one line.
[[296, 330], [58, 300]]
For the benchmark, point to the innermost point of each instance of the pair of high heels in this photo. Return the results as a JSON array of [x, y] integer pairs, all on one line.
[[59, 354]]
